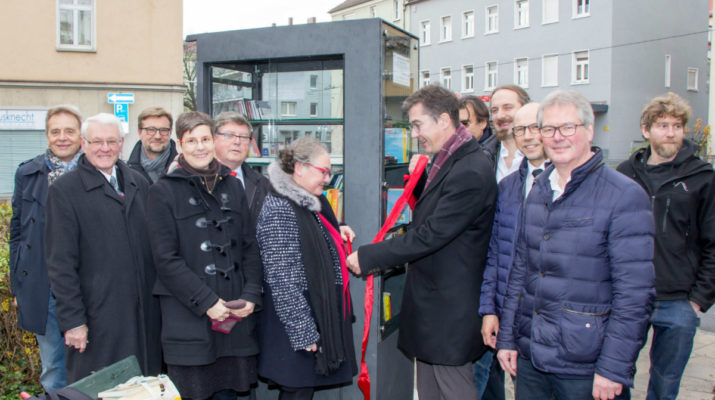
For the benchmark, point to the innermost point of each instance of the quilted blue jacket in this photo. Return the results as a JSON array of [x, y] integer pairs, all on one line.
[[507, 219], [582, 284]]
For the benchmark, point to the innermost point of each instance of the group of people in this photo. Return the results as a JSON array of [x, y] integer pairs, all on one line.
[[526, 253]]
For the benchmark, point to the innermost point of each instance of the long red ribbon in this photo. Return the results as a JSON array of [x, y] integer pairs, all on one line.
[[364, 377]]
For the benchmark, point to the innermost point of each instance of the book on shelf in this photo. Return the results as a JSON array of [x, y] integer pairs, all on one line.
[[255, 109]]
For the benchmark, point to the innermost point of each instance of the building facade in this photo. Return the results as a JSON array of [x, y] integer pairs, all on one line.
[[619, 54], [78, 52], [392, 11]]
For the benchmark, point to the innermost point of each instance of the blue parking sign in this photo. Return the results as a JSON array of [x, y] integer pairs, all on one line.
[[121, 111]]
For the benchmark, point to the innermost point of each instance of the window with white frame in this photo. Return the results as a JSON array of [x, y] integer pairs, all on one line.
[[288, 108], [693, 79], [425, 78], [550, 70], [490, 77], [445, 31], [396, 4], [426, 33], [521, 14], [667, 70], [580, 73], [447, 78], [373, 12], [521, 72], [550, 11], [76, 25], [313, 109], [468, 24], [581, 8], [491, 24], [314, 81], [468, 78]]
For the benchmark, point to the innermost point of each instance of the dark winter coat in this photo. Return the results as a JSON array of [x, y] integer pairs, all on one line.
[[288, 324], [446, 249], [101, 270], [684, 211], [257, 186], [28, 271], [502, 244], [135, 161], [490, 146], [581, 287], [204, 249]]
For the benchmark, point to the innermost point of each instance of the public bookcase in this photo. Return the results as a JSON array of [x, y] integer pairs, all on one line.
[[342, 83]]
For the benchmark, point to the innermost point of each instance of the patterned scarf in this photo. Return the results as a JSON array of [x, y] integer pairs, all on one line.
[[58, 167], [453, 143]]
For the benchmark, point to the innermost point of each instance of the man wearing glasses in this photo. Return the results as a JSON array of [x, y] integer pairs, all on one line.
[[474, 115], [488, 375], [155, 150], [232, 139], [582, 284], [99, 259]]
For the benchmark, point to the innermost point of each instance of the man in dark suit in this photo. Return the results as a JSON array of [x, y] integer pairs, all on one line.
[[99, 259], [445, 250], [232, 139]]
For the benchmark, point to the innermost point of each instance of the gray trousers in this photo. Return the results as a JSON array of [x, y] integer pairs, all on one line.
[[445, 382]]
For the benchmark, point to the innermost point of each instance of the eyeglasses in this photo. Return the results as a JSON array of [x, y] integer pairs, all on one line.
[[101, 143], [192, 143], [466, 123], [565, 130], [164, 132], [325, 171], [521, 130], [231, 136]]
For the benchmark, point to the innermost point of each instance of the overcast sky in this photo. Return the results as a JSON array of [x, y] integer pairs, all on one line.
[[222, 15]]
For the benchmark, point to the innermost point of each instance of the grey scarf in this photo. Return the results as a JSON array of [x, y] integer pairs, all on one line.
[[59, 167], [155, 168]]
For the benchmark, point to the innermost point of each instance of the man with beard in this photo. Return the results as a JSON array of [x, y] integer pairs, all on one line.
[[682, 195], [504, 103], [155, 150]]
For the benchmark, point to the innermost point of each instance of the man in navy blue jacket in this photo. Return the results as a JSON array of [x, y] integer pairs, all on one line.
[[512, 193], [682, 187], [582, 284]]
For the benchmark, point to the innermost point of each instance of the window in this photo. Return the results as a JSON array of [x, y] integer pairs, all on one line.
[[550, 71], [447, 78], [426, 33], [396, 5], [468, 78], [314, 81], [550, 11], [667, 70], [521, 14], [693, 79], [445, 32], [373, 12], [581, 8], [425, 78], [521, 72], [76, 25], [492, 20], [468, 24], [313, 109], [580, 67], [490, 79], [288, 108]]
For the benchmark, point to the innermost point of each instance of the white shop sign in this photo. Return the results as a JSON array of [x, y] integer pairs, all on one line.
[[22, 119]]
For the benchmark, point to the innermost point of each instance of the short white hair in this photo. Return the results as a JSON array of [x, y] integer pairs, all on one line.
[[103, 119]]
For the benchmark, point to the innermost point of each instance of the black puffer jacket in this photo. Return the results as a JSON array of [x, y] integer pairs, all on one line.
[[684, 211], [204, 248]]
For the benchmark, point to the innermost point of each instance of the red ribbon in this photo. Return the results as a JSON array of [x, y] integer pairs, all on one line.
[[364, 377]]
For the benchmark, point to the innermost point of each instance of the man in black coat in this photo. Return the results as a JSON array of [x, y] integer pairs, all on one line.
[[232, 139], [446, 250], [155, 149], [99, 259], [682, 191]]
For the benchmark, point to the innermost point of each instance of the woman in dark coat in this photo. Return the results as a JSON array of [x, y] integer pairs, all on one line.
[[305, 328], [206, 256]]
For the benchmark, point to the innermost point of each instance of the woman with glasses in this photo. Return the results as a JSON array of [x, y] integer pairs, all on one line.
[[305, 328], [208, 267]]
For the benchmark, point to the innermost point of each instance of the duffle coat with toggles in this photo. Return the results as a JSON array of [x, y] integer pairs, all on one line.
[[204, 248]]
